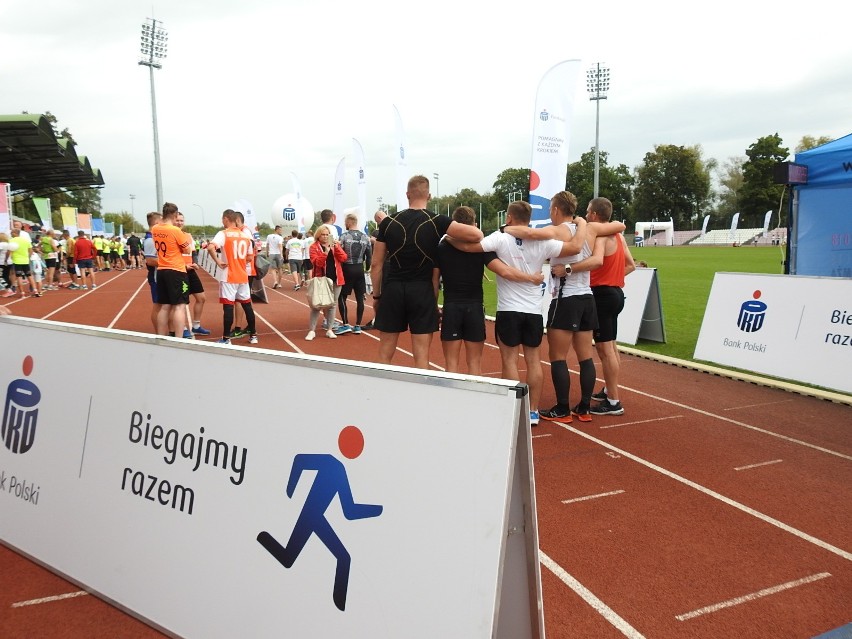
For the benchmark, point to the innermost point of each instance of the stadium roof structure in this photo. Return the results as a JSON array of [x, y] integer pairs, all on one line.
[[32, 157]]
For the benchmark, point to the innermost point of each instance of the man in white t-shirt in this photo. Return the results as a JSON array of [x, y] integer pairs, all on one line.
[[275, 253], [519, 322], [295, 256]]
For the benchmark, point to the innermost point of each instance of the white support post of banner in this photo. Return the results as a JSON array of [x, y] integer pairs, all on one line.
[[145, 498], [361, 185], [400, 163]]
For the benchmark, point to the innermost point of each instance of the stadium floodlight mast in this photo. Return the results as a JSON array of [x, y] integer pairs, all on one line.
[[597, 84], [153, 47]]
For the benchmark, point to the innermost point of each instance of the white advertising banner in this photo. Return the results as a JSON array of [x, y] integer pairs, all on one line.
[[793, 327], [385, 510], [642, 316]]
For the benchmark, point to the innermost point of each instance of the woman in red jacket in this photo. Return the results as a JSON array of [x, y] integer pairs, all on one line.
[[326, 257]]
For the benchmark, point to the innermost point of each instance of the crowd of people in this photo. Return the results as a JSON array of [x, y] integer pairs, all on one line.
[[566, 278]]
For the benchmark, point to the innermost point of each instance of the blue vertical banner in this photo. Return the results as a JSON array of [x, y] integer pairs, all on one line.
[[554, 105]]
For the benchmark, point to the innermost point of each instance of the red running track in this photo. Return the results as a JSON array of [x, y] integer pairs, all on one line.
[[713, 508]]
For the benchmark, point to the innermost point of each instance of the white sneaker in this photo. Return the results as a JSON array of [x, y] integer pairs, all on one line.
[[310, 336], [330, 334]]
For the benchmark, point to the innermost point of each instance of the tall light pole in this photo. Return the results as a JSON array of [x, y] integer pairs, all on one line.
[[597, 84], [203, 225], [153, 48], [132, 212], [437, 191]]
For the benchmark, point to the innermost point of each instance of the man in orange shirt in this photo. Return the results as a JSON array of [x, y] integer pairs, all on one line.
[[172, 282], [235, 248]]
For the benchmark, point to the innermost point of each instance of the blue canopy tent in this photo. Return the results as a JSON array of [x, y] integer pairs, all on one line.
[[820, 231]]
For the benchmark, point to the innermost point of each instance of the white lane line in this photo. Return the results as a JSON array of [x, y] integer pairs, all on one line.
[[278, 333], [542, 435], [602, 609], [124, 308], [35, 602], [782, 401], [766, 463], [711, 493], [587, 497], [755, 595], [642, 421]]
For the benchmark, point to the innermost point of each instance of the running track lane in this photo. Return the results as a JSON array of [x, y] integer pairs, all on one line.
[[711, 508]]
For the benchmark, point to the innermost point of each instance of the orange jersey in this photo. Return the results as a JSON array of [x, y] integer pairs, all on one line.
[[611, 272], [170, 243], [236, 247], [187, 254]]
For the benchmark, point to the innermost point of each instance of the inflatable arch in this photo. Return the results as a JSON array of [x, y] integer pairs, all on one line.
[[652, 228]]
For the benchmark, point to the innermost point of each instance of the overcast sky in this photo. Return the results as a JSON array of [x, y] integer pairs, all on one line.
[[254, 90]]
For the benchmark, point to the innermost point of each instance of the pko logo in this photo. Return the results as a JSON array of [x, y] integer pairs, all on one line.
[[329, 481], [20, 412], [544, 116], [752, 314], [289, 214]]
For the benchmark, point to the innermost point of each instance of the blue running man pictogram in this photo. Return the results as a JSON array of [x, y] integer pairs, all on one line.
[[330, 480]]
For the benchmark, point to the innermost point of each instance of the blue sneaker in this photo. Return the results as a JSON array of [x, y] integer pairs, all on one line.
[[356, 330], [343, 329], [224, 340], [534, 417], [187, 334], [201, 331]]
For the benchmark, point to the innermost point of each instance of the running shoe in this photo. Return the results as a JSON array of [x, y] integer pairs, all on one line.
[[310, 336], [224, 340], [252, 339], [330, 334], [200, 330], [368, 326], [94, 286], [557, 414], [582, 413], [84, 287], [187, 334], [73, 287], [238, 333], [605, 408], [356, 330], [343, 329], [534, 417], [600, 396]]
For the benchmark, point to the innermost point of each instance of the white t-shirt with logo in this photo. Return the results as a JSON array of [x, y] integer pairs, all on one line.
[[527, 256]]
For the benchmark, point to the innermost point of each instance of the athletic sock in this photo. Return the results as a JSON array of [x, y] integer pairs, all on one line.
[[587, 380], [561, 381]]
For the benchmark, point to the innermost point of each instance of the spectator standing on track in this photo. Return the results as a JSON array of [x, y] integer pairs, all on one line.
[[607, 283], [196, 288], [358, 248], [519, 323], [463, 316], [21, 263], [328, 217], [85, 257], [295, 258], [172, 283], [327, 257], [275, 253], [67, 244], [50, 254], [150, 253], [404, 255], [236, 247], [572, 316], [134, 247], [240, 317]]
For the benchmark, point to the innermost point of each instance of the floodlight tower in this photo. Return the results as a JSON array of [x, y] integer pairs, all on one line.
[[597, 84], [153, 48]]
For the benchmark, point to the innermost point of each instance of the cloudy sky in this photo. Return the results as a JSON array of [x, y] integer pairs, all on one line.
[[253, 90]]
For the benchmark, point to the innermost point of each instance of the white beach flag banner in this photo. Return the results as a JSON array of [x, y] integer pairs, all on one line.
[[734, 222], [297, 191], [704, 225], [249, 214], [401, 164], [361, 175], [337, 204], [554, 104], [766, 219]]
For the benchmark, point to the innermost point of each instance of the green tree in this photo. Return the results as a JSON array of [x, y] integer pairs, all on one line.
[[809, 142], [759, 192], [615, 184], [730, 176], [672, 182], [509, 182]]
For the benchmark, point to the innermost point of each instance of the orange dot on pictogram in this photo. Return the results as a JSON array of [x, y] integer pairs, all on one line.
[[351, 442], [28, 365], [757, 295]]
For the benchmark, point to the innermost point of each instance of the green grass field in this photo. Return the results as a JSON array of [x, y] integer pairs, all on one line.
[[685, 275]]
